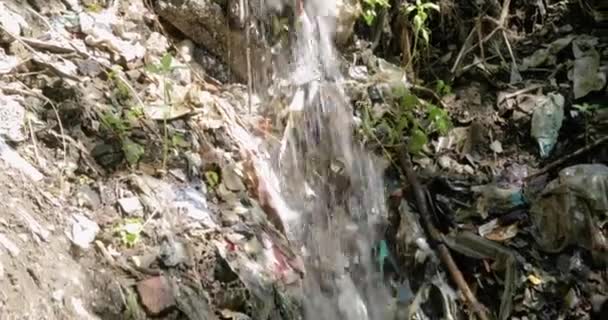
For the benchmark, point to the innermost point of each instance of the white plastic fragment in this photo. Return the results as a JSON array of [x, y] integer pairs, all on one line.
[[546, 122]]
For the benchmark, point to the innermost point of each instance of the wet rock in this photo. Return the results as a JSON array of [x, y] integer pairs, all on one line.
[[108, 155], [206, 24], [348, 13], [156, 294]]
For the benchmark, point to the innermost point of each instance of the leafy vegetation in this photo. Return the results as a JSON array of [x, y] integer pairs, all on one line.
[[371, 9], [164, 68], [419, 15], [129, 231], [409, 116]]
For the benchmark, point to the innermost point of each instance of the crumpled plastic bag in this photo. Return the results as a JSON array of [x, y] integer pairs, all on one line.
[[570, 210], [546, 122], [586, 75]]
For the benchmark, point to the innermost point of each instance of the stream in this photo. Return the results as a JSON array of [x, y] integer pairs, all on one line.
[[333, 184]]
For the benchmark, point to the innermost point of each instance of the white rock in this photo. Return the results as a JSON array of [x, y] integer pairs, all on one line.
[[131, 205], [84, 231]]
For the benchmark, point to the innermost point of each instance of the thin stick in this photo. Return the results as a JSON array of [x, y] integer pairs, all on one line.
[[504, 13], [34, 141], [463, 49], [560, 161], [519, 92], [444, 253], [480, 37]]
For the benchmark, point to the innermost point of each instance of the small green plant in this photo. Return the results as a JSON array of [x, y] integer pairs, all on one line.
[[371, 8], [121, 129], [164, 68], [442, 88], [420, 11], [94, 7], [121, 90], [129, 231], [410, 117], [212, 178]]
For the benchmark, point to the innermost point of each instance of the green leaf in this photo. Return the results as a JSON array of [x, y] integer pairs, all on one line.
[[417, 23], [152, 68], [439, 119], [423, 16], [132, 150], [369, 16], [417, 140], [409, 101], [442, 88], [178, 140], [402, 124], [213, 179], [384, 3], [425, 35], [129, 231], [166, 61], [409, 9]]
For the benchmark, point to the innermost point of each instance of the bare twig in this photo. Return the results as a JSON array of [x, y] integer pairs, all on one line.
[[500, 26], [480, 61], [480, 37], [463, 50], [34, 142], [444, 253], [520, 92], [504, 13], [574, 154]]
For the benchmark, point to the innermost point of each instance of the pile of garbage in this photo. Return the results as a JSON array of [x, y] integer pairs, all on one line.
[[168, 189]]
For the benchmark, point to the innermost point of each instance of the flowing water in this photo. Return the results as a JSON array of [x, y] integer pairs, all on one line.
[[329, 180]]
